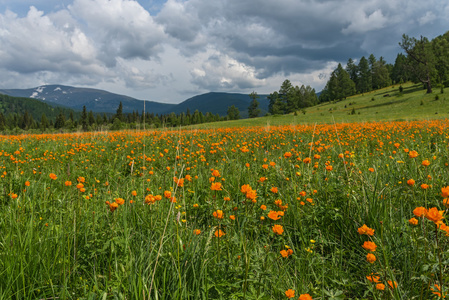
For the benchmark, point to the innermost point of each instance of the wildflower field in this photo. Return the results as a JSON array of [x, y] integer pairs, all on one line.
[[342, 211]]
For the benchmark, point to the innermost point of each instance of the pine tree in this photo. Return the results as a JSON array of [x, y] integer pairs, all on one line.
[[253, 109]]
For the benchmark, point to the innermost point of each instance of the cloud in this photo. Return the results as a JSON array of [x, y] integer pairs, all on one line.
[[120, 28], [172, 49], [363, 22]]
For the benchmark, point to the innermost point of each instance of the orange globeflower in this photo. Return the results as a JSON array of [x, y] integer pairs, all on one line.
[[425, 163], [14, 196], [284, 253], [413, 154], [370, 246], [232, 217], [53, 176], [413, 221], [371, 258], [290, 293], [445, 192], [273, 215], [245, 188], [68, 183], [371, 170], [167, 194], [434, 214], [420, 212], [365, 230], [373, 278], [197, 231], [216, 173], [274, 190], [218, 214], [263, 207], [446, 202], [424, 186], [219, 233], [134, 193], [120, 201], [287, 154], [392, 284], [411, 182], [278, 229], [81, 179], [380, 286], [305, 297], [27, 183], [216, 186]]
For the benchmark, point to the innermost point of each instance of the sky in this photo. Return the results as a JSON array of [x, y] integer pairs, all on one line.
[[170, 50]]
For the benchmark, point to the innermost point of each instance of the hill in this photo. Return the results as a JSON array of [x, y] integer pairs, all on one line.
[[101, 101], [386, 104], [19, 105], [218, 103], [95, 100]]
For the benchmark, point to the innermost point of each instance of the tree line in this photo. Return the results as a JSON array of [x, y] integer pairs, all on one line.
[[423, 61], [68, 120]]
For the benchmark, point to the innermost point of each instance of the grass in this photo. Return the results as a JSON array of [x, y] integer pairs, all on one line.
[[386, 104], [137, 215]]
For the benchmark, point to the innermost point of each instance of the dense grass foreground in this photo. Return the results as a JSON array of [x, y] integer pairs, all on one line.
[[346, 211]]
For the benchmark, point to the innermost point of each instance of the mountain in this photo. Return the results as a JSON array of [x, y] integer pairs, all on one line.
[[218, 103], [95, 100], [102, 101]]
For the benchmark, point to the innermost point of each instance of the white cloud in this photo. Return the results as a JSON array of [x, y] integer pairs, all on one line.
[[362, 22]]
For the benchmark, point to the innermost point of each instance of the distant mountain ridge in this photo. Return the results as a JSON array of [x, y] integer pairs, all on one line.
[[102, 101]]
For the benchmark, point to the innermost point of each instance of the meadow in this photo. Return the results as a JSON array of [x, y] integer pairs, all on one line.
[[339, 211]]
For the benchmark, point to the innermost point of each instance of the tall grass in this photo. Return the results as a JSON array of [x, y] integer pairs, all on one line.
[[64, 241]]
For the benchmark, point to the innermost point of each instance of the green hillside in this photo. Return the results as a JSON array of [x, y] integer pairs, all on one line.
[[386, 104], [18, 105]]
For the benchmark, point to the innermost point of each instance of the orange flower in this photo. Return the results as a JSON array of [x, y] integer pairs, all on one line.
[[365, 230], [424, 186], [134, 193], [392, 284], [290, 293], [219, 233], [27, 183], [413, 221], [232, 217], [434, 214], [226, 198], [445, 192], [262, 179], [411, 182], [274, 190], [14, 196], [371, 170], [446, 202], [245, 188], [273, 215], [278, 229], [53, 176], [373, 278], [216, 173], [413, 154], [287, 154], [263, 207], [119, 201], [197, 231], [371, 258], [305, 297], [218, 214], [380, 286], [216, 186], [370, 246], [68, 183], [425, 163], [167, 194], [420, 211], [81, 179], [284, 253]]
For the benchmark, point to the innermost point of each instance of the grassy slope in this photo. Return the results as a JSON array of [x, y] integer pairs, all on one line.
[[383, 108]]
